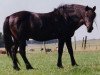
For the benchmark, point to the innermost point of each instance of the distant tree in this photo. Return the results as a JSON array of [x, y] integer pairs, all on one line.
[[1, 40], [0, 34]]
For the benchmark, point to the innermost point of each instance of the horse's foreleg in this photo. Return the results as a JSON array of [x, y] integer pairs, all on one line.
[[60, 51], [70, 50], [23, 54]]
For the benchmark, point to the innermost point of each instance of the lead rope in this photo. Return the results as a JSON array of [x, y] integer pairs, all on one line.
[[96, 25]]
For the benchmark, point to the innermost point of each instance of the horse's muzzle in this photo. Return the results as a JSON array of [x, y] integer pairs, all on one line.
[[90, 29]]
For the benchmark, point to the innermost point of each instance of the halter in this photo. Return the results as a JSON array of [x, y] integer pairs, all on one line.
[[96, 25]]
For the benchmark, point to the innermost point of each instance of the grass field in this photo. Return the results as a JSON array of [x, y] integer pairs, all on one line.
[[45, 64]]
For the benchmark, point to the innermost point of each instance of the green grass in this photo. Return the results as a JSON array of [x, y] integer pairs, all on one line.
[[45, 64]]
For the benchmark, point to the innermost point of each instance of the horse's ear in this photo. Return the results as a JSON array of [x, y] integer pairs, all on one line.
[[94, 8], [86, 8]]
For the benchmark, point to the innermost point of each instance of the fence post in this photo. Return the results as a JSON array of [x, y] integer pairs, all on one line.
[[75, 42], [85, 42], [44, 46]]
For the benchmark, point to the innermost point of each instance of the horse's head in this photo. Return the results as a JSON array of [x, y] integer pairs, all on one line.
[[70, 12], [89, 18]]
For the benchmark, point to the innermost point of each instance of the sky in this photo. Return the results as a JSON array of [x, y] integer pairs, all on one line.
[[8, 7]]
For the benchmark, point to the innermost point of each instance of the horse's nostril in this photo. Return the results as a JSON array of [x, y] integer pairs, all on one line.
[[90, 29]]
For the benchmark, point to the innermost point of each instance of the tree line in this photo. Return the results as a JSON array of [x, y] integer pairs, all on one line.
[[1, 40]]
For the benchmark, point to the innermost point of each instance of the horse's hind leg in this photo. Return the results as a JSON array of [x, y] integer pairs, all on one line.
[[14, 58], [22, 46]]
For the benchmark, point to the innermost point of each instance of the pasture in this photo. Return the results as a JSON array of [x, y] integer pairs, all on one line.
[[45, 64]]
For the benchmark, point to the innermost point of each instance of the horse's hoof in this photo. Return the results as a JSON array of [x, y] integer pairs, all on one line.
[[29, 67], [60, 66], [16, 68], [75, 64]]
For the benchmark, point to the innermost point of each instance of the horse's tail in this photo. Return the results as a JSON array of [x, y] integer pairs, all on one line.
[[7, 37], [8, 41]]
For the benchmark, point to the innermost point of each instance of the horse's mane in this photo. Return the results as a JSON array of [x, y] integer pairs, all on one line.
[[72, 7]]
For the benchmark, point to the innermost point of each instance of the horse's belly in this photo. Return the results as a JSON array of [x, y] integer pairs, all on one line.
[[44, 37]]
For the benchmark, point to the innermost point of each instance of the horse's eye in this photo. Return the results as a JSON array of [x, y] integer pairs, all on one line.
[[87, 15]]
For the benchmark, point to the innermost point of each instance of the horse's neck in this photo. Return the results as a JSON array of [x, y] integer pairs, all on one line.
[[79, 11]]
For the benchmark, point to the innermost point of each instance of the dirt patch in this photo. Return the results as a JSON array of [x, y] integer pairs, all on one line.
[[2, 51]]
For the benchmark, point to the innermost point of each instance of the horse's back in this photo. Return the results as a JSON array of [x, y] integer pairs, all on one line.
[[21, 13]]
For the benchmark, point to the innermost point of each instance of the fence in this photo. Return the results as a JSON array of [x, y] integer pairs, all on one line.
[[93, 44]]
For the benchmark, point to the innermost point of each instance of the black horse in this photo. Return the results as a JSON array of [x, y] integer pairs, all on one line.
[[59, 24]]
